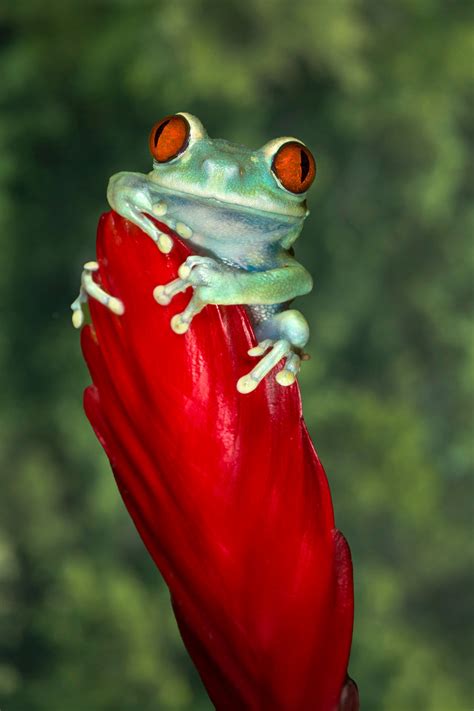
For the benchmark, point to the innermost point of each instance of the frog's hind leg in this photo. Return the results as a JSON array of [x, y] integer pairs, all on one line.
[[283, 335], [89, 288]]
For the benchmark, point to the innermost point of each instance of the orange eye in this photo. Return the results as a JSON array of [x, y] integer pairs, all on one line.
[[168, 138], [294, 166]]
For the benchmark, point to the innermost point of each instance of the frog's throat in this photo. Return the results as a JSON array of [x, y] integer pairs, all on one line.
[[300, 209]]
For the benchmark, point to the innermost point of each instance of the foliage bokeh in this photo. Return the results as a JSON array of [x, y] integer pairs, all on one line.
[[380, 92]]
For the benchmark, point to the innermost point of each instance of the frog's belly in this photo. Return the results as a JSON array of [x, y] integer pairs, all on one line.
[[262, 312], [229, 233]]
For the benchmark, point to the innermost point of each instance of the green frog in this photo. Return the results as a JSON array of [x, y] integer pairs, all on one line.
[[240, 211]]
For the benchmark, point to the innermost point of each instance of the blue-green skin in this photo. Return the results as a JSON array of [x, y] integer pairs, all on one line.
[[229, 204]]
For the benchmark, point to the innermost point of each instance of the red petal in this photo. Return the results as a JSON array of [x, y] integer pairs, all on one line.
[[225, 489]]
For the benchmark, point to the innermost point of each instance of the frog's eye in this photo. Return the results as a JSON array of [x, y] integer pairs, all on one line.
[[169, 137], [294, 166]]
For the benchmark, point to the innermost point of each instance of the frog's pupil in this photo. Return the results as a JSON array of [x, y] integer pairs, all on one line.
[[304, 162], [159, 131]]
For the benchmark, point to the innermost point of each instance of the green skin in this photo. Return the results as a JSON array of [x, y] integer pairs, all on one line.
[[240, 222]]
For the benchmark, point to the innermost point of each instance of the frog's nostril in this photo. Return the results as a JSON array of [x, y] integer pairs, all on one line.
[[208, 165]]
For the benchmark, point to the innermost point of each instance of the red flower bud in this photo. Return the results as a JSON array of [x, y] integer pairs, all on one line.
[[225, 489]]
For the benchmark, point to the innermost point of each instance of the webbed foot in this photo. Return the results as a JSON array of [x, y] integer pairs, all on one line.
[[89, 289]]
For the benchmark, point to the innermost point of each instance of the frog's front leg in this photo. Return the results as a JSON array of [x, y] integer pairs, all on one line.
[[189, 276], [283, 334], [132, 196], [89, 288]]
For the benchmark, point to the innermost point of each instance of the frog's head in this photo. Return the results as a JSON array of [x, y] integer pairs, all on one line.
[[270, 182]]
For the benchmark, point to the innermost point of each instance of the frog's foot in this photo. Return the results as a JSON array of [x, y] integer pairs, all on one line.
[[162, 240], [287, 375], [195, 272], [286, 334], [163, 295], [279, 349], [89, 288]]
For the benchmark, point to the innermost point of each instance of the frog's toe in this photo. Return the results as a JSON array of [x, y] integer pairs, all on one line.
[[94, 291], [184, 271], [90, 289], [160, 295], [160, 208], [164, 243], [183, 230], [194, 261], [179, 325], [164, 293], [279, 349], [261, 347], [77, 313], [246, 384], [287, 375], [181, 322], [116, 306]]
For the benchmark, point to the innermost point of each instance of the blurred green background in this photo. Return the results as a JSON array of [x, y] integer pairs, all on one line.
[[379, 90]]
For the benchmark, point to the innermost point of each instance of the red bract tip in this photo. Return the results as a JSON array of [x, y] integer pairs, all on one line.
[[225, 489]]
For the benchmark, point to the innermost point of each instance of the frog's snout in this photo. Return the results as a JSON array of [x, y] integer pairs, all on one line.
[[222, 168]]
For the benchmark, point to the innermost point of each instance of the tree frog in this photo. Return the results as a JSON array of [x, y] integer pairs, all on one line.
[[240, 210]]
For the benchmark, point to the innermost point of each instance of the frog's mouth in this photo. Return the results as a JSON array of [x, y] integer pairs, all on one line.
[[235, 203]]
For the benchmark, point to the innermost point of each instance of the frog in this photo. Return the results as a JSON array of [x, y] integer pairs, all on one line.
[[240, 211]]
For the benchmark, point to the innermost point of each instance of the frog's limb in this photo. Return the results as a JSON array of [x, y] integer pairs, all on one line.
[[89, 288], [163, 295], [131, 195], [217, 283], [287, 327]]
